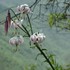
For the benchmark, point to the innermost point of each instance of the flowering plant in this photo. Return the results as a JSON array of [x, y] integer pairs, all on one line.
[[18, 39], [35, 37], [24, 17]]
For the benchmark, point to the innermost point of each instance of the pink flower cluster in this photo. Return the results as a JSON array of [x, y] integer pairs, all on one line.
[[16, 40], [16, 23], [37, 37]]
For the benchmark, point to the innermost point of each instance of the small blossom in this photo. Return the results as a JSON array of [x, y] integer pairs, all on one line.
[[23, 9], [37, 37], [41, 37], [16, 23], [33, 38], [17, 40]]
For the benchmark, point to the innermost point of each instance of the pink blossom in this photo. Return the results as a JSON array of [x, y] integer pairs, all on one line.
[[16, 40], [23, 9], [16, 23], [33, 38], [37, 37]]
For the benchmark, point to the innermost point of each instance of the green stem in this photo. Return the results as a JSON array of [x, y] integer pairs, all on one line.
[[44, 55], [14, 14], [26, 30], [36, 43], [30, 24]]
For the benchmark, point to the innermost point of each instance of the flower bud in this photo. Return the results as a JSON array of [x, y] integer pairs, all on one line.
[[9, 18], [6, 26], [17, 40]]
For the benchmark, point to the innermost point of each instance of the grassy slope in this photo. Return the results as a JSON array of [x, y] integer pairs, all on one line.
[[57, 43]]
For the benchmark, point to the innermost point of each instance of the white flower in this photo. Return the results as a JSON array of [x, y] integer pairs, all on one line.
[[24, 9], [33, 38], [16, 23], [41, 37], [17, 40], [37, 37], [13, 41]]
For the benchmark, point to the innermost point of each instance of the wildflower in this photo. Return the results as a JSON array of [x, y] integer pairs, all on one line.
[[33, 38], [16, 23], [23, 9], [16, 40], [41, 37], [37, 37]]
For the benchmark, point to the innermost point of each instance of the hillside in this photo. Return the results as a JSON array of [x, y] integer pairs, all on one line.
[[2, 7]]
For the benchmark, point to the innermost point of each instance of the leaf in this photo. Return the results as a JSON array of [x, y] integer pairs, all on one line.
[[51, 57], [51, 20], [38, 55]]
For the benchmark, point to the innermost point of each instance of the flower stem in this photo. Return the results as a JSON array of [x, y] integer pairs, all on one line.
[[26, 30], [36, 44], [14, 14], [30, 24]]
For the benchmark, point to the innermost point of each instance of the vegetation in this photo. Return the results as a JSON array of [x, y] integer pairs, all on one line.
[[24, 58]]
